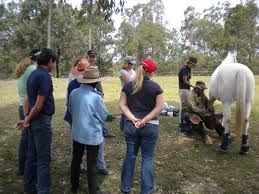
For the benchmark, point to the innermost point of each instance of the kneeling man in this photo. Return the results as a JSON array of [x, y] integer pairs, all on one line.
[[199, 111]]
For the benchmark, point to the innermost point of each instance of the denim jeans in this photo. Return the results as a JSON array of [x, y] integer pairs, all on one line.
[[144, 139], [122, 122], [101, 164], [22, 145], [78, 152], [37, 169], [105, 131]]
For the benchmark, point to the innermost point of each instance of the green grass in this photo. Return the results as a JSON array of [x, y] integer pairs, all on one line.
[[182, 165]]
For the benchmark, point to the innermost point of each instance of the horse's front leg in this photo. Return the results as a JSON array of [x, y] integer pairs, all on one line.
[[245, 145], [226, 122]]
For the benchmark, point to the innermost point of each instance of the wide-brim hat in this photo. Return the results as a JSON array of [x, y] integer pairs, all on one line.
[[193, 61], [200, 85], [91, 75]]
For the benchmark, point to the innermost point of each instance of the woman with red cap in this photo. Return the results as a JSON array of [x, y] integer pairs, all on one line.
[[141, 101]]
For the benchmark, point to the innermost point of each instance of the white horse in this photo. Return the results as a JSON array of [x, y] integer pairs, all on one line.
[[232, 81]]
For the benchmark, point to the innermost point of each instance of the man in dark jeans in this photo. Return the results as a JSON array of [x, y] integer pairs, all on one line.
[[38, 108]]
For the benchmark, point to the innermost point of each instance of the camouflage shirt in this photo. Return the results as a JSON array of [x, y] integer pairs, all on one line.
[[197, 104]]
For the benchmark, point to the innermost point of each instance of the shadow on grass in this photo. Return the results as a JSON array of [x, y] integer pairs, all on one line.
[[182, 164]]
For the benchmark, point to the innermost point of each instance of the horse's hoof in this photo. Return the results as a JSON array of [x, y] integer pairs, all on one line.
[[222, 150], [224, 144], [244, 150]]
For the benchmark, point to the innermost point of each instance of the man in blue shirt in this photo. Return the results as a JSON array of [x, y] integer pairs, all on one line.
[[184, 77], [38, 108], [88, 115]]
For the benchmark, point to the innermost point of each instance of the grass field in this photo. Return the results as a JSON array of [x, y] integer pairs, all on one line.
[[182, 164]]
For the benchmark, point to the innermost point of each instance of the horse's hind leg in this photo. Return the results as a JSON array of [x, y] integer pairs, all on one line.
[[226, 121], [245, 145]]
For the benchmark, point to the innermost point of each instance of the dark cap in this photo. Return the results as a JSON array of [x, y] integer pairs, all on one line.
[[192, 60], [130, 60], [91, 53], [34, 54]]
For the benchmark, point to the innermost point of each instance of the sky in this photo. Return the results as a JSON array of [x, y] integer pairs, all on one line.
[[174, 9]]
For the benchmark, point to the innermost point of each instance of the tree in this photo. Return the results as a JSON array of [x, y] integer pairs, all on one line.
[[143, 35], [241, 26], [104, 8], [49, 24]]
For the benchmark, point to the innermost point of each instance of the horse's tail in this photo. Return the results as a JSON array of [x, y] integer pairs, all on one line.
[[240, 101]]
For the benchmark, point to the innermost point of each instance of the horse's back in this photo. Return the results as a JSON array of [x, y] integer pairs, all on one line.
[[224, 82]]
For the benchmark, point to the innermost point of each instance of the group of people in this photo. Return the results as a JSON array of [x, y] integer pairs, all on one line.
[[197, 112], [141, 101]]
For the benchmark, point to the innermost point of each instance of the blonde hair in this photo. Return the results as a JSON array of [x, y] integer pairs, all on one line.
[[22, 66], [137, 84]]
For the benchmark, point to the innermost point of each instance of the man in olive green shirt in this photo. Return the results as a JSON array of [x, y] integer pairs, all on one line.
[[200, 110]]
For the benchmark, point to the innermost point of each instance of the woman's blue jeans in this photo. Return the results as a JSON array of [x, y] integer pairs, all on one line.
[[144, 139]]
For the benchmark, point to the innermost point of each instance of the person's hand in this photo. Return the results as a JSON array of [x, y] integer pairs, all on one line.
[[23, 124], [141, 123], [26, 123], [211, 109], [135, 121], [19, 125]]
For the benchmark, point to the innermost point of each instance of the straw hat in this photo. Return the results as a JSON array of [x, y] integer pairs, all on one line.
[[91, 75]]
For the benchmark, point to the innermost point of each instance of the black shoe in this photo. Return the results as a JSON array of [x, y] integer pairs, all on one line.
[[73, 190], [104, 171]]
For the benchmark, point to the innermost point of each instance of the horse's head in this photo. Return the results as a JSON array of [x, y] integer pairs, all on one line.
[[231, 57]]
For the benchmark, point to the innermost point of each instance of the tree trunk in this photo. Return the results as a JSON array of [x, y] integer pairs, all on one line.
[[57, 65], [90, 23], [49, 24]]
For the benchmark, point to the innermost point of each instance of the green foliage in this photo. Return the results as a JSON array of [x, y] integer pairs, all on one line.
[[208, 35], [142, 33], [220, 29]]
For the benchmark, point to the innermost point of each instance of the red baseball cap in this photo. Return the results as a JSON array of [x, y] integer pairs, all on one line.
[[148, 65]]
